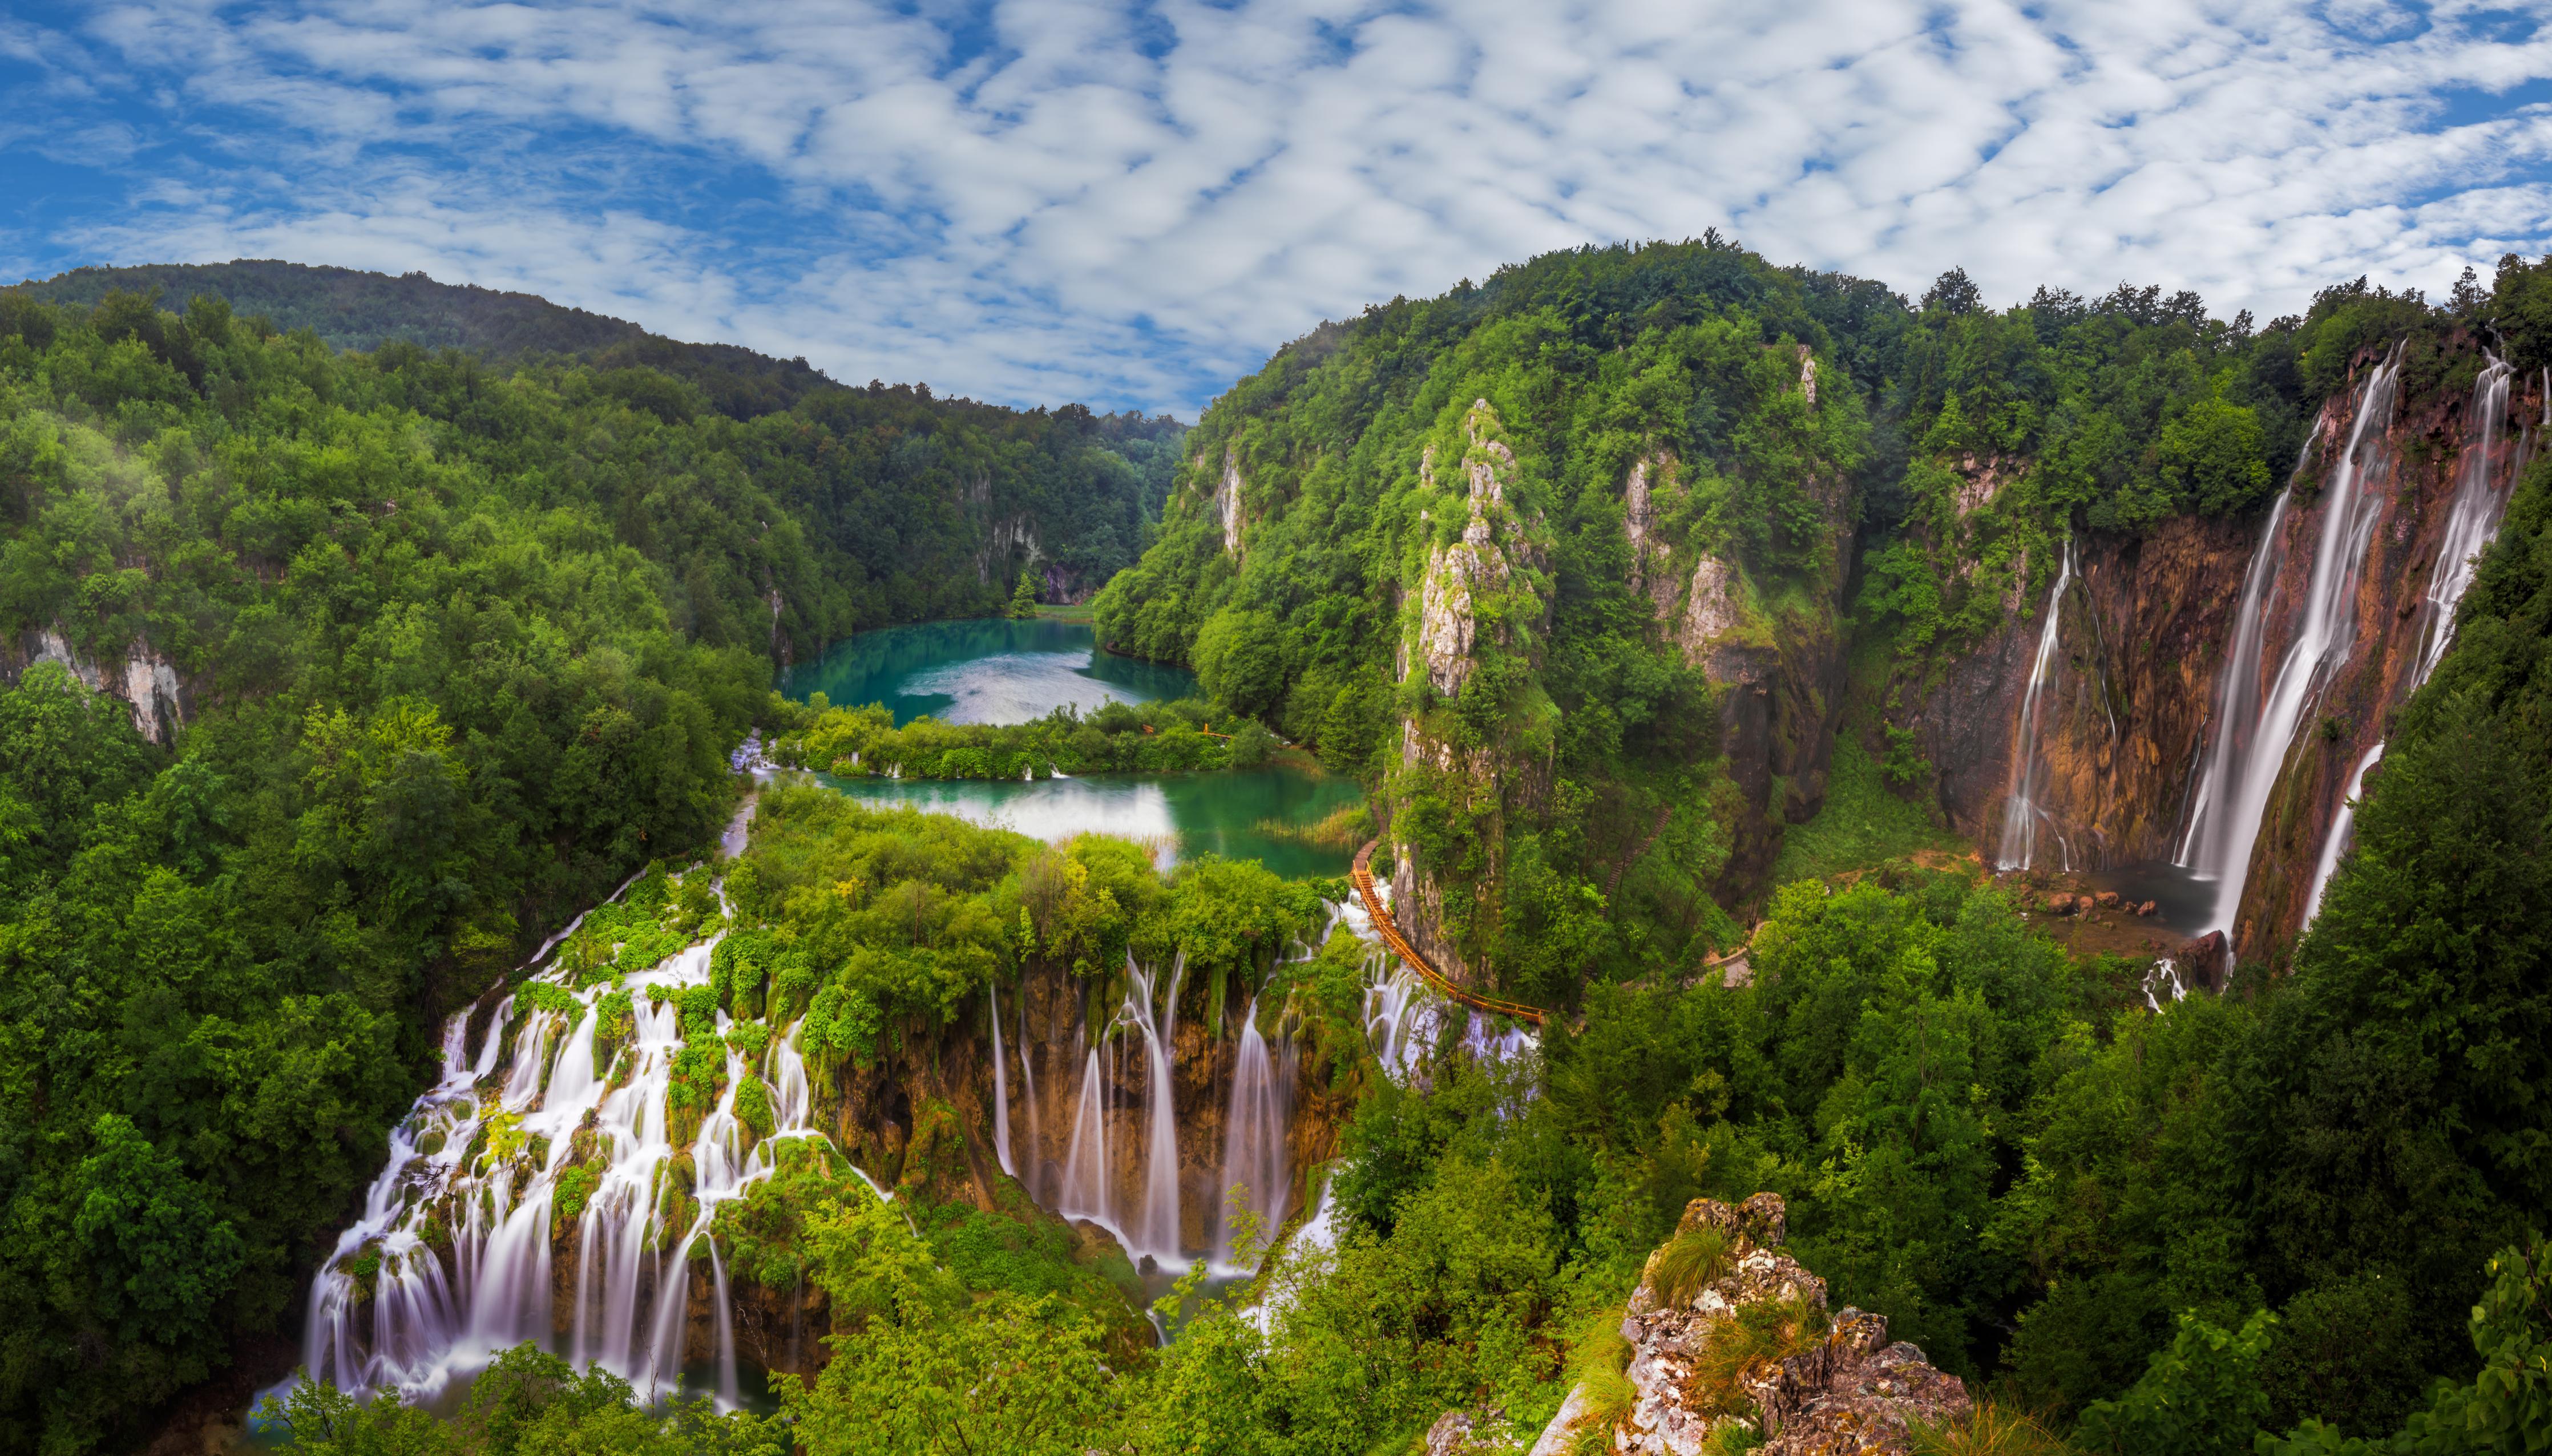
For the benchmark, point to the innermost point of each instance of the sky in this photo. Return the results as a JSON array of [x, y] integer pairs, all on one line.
[[1132, 204]]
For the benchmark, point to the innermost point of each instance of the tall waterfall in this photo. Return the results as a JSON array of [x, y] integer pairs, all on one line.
[[1151, 1227], [450, 1263], [1253, 1140], [2481, 491], [2249, 748], [2335, 843], [1001, 1085], [1034, 1176], [2021, 812]]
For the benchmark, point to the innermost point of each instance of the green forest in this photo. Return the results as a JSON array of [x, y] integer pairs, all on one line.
[[463, 645], [458, 647]]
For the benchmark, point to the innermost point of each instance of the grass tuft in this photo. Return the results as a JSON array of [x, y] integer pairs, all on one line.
[[1988, 1430], [1691, 1262]]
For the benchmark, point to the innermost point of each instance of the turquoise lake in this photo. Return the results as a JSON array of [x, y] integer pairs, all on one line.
[[1009, 672]]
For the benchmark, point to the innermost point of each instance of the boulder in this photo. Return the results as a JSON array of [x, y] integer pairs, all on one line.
[[1840, 1388], [2108, 899], [2060, 904]]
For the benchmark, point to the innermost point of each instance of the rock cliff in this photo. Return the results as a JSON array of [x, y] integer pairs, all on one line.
[[1477, 607]]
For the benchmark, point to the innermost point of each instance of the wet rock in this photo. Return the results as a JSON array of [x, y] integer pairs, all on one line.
[[2060, 904], [2107, 900], [2202, 960]]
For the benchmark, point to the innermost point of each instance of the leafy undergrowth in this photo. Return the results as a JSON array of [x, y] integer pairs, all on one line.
[[1862, 824]]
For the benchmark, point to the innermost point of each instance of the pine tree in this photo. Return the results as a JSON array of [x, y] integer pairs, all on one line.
[[1023, 602]]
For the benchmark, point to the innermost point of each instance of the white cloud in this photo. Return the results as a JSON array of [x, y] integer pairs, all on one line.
[[1029, 201]]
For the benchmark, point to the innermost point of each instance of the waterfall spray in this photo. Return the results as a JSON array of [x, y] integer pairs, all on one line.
[[2021, 812]]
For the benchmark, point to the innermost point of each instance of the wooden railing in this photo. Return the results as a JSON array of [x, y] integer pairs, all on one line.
[[1418, 962]]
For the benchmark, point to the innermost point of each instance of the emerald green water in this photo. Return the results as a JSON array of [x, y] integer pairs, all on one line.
[[1001, 671], [986, 671]]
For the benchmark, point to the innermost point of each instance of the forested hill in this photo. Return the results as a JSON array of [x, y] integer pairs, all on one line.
[[329, 684], [351, 309]]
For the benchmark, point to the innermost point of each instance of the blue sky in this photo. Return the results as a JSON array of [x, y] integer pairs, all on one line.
[[1131, 204]]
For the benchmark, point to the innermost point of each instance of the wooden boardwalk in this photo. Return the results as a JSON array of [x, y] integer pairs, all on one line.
[[1426, 969]]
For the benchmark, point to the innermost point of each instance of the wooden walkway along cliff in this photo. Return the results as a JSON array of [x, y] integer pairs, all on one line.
[[1426, 969]]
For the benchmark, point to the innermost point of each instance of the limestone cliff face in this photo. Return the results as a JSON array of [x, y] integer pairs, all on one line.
[[1479, 594], [2141, 634], [1829, 1384], [144, 678], [1780, 671], [1228, 507], [2136, 690]]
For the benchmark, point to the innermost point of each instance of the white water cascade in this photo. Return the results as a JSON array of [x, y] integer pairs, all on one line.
[[2481, 491], [2251, 742], [451, 1261], [1152, 1228], [1001, 1085], [1254, 1167], [2342, 824], [2022, 813]]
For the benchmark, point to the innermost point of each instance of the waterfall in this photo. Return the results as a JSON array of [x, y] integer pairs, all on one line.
[[1086, 1190], [2021, 812], [1035, 1174], [1160, 1231], [2251, 748], [1001, 1085], [1254, 1141], [2481, 491], [2335, 843], [456, 1235]]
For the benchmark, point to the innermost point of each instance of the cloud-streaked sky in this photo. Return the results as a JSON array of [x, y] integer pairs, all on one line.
[[1132, 203]]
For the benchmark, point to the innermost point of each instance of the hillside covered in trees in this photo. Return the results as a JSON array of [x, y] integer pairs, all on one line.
[[431, 653], [1608, 575]]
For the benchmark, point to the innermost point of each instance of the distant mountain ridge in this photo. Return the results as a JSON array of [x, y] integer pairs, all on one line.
[[352, 309]]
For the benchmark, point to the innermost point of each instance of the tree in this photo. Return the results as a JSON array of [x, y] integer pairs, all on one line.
[[1024, 601]]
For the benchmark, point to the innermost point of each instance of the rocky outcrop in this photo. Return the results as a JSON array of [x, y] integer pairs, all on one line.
[[143, 680], [1479, 593], [1226, 501], [1753, 1344]]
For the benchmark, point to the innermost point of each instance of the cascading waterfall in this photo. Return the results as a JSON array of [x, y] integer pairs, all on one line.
[[2335, 843], [450, 1263], [2481, 491], [1034, 1177], [1001, 1085], [1087, 1191], [2251, 748], [2021, 812], [1253, 1143]]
